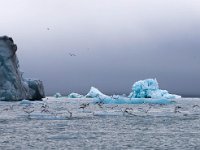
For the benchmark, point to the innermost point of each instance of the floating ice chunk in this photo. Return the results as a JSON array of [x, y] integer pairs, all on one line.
[[75, 95], [108, 113], [115, 96], [149, 89], [95, 93], [162, 94], [57, 95], [123, 95], [123, 100], [145, 91], [39, 116], [25, 102]]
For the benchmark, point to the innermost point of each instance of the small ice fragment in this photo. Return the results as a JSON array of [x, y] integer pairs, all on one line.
[[57, 95], [25, 102], [75, 95]]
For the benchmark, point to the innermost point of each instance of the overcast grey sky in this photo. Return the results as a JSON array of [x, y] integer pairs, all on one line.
[[117, 42]]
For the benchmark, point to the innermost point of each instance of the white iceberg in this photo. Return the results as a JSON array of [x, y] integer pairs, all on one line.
[[95, 93], [117, 99], [57, 95], [143, 92], [75, 95]]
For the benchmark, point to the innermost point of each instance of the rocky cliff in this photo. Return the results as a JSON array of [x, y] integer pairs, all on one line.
[[13, 86]]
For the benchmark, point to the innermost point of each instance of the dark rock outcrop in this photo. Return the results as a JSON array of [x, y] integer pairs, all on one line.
[[13, 86]]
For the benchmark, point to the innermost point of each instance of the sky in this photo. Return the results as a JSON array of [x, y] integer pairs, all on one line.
[[116, 43]]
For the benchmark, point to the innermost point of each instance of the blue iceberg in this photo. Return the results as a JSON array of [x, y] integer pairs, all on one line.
[[143, 92], [133, 101], [149, 88], [99, 97]]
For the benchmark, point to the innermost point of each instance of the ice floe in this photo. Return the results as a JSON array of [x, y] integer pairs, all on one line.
[[75, 95], [149, 88]]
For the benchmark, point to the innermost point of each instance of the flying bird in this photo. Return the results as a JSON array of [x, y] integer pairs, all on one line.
[[145, 110], [195, 106], [71, 54], [176, 109], [83, 106], [128, 111]]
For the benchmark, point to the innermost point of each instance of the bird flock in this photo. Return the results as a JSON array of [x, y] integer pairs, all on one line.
[[131, 110]]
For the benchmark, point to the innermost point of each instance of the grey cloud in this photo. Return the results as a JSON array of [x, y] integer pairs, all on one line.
[[116, 43]]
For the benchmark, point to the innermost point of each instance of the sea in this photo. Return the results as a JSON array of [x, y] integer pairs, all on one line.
[[81, 124]]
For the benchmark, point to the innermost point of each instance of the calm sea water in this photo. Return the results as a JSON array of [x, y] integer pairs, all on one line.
[[62, 124]]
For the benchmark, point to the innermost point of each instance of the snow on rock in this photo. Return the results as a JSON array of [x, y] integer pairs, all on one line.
[[36, 89], [149, 88], [75, 95], [13, 86]]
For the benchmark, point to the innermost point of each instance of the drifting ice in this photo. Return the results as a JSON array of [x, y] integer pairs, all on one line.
[[123, 100], [149, 89], [95, 93], [75, 95], [57, 95], [144, 91]]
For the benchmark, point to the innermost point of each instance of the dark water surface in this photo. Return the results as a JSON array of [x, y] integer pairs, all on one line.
[[48, 125]]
